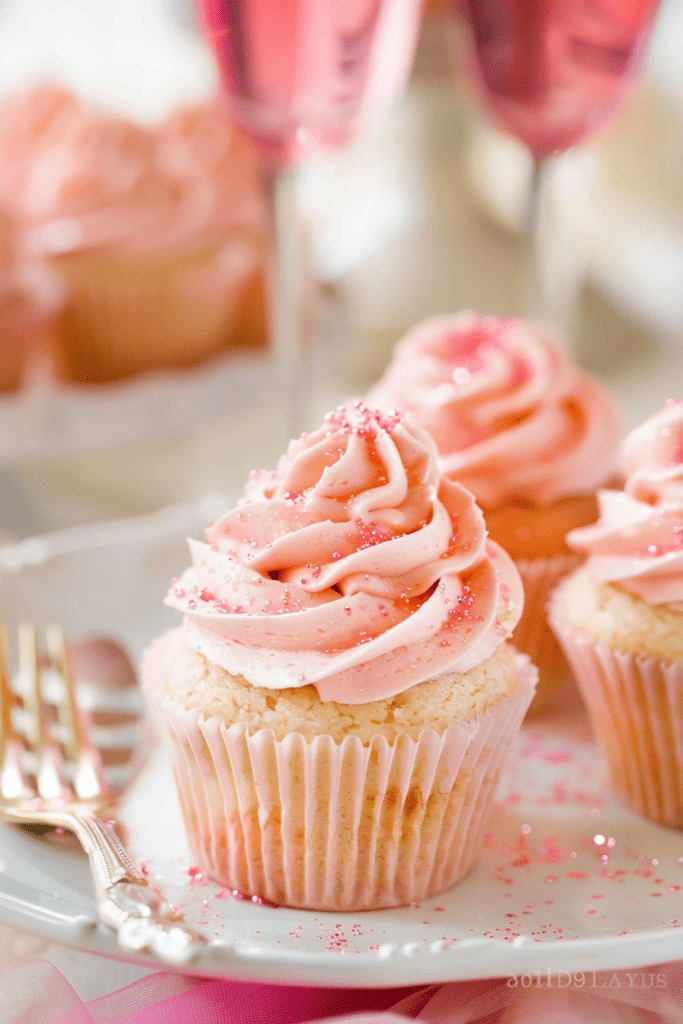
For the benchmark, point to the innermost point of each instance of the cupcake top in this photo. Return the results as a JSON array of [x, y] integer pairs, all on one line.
[[31, 120], [199, 142], [354, 566], [101, 187], [637, 541], [512, 416]]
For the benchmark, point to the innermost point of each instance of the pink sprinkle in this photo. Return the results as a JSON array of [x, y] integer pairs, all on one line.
[[362, 420], [577, 874], [556, 756], [596, 896], [144, 867]]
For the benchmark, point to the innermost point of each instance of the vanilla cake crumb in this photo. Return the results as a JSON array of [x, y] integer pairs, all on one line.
[[198, 684], [610, 614]]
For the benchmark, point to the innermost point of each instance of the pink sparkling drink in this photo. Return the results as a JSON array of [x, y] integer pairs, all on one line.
[[303, 74], [553, 71]]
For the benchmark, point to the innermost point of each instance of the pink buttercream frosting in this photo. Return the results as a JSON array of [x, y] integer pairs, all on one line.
[[102, 187], [512, 416], [637, 541], [199, 142], [354, 566], [31, 121]]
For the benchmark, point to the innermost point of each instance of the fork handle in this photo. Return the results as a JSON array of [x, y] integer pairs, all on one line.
[[138, 913]]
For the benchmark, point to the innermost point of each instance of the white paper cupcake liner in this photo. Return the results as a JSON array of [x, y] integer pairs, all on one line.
[[331, 826], [636, 710], [533, 635], [116, 324]]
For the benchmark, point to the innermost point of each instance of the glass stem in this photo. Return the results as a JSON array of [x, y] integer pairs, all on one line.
[[555, 276], [533, 211], [288, 287]]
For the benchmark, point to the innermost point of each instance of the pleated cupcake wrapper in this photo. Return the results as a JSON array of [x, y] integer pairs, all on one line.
[[114, 322], [533, 635], [636, 709], [332, 826]]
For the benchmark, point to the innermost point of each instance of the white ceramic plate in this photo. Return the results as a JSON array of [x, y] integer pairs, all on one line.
[[569, 881], [61, 420]]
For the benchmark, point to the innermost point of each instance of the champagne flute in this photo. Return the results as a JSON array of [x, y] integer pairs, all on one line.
[[551, 73], [300, 76]]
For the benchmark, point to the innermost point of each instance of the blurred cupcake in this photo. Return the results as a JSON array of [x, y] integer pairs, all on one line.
[[532, 436], [620, 620], [29, 302], [340, 697], [31, 121], [199, 141], [151, 274]]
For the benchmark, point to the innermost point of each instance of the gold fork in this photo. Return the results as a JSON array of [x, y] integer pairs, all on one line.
[[50, 774]]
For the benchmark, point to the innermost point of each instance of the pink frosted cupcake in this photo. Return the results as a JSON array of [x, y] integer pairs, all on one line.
[[519, 425], [151, 273], [29, 303], [620, 620], [198, 141], [31, 122], [340, 697]]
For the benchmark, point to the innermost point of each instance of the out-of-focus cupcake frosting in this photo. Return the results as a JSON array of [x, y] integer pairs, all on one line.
[[100, 187], [512, 416], [31, 120], [199, 142], [354, 566], [637, 541]]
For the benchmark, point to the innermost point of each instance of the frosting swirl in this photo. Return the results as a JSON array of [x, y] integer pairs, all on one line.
[[512, 416], [31, 121], [100, 187], [637, 541], [199, 142], [354, 566]]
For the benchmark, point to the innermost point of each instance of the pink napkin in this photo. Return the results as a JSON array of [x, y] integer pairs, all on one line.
[[32, 991]]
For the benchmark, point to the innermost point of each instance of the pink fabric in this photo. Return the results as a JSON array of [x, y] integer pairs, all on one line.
[[34, 992]]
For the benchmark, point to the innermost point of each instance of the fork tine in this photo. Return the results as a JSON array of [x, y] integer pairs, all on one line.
[[30, 679], [13, 784], [83, 756], [66, 706], [7, 730], [49, 780]]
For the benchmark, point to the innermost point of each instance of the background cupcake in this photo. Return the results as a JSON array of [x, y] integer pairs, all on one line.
[[198, 141], [152, 266], [620, 620], [526, 431], [340, 697], [31, 122], [29, 302]]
